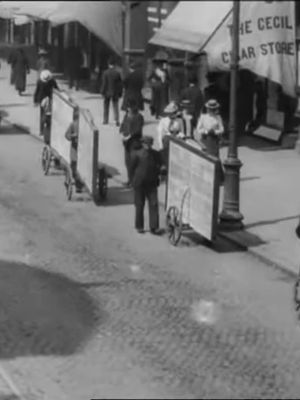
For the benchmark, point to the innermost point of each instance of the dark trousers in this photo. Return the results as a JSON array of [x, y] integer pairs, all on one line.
[[141, 193], [106, 103], [127, 152], [74, 80]]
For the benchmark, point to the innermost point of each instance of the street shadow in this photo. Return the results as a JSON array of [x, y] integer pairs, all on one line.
[[221, 245], [9, 129], [270, 222], [263, 144], [110, 170], [27, 95], [10, 397], [11, 105], [42, 313], [249, 178], [118, 196]]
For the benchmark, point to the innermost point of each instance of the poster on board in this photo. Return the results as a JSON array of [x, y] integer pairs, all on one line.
[[61, 118], [87, 152], [193, 187]]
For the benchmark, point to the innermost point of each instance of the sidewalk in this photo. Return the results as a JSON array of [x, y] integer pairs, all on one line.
[[269, 194]]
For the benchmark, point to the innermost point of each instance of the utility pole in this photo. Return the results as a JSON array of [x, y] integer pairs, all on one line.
[[230, 217], [126, 34]]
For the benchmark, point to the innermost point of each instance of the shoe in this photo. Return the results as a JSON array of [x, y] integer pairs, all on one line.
[[156, 232], [127, 184], [117, 123], [78, 190], [104, 123], [140, 231]]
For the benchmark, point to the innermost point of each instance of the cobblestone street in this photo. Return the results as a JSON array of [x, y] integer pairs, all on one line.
[[89, 310]]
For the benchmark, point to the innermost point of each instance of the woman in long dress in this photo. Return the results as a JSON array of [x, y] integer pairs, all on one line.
[[209, 131]]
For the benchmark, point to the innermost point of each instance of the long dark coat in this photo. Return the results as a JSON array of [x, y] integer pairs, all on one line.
[[11, 60], [133, 85], [21, 66], [160, 93], [111, 84]]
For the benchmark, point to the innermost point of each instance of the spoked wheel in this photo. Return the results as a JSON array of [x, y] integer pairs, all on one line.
[[102, 184], [297, 294], [174, 225], [46, 159], [68, 184]]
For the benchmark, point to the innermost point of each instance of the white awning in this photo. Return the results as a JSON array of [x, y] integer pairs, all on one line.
[[102, 18], [192, 24]]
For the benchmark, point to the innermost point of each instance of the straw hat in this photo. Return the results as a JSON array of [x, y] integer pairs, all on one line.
[[171, 108], [42, 52], [45, 75], [212, 104]]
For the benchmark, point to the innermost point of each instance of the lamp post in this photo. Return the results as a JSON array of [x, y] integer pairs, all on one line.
[[230, 217]]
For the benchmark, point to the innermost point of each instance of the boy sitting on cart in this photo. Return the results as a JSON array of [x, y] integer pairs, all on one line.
[[72, 136]]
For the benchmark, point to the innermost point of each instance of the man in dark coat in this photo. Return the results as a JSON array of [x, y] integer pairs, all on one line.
[[145, 170], [74, 61], [132, 131], [194, 95], [133, 85], [21, 66], [159, 81], [12, 61], [111, 90]]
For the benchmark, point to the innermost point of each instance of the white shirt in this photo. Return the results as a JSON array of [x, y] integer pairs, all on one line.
[[163, 130], [209, 122]]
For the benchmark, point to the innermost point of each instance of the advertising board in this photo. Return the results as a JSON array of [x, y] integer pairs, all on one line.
[[61, 118], [87, 156], [193, 187]]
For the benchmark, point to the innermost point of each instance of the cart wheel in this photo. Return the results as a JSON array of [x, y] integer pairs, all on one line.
[[297, 293], [68, 184], [46, 159], [174, 225], [102, 184]]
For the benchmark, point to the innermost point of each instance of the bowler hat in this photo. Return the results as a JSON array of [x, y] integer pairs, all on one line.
[[160, 56], [212, 104]]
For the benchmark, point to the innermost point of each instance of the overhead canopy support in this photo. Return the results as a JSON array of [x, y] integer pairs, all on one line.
[[191, 24]]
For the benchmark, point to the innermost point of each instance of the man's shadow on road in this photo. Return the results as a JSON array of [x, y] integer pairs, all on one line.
[[42, 313]]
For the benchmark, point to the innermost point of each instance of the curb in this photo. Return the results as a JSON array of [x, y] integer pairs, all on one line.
[[264, 259]]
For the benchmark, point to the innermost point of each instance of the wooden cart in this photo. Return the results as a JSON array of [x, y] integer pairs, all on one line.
[[192, 193]]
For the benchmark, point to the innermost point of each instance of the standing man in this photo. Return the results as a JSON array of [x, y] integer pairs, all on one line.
[[133, 85], [74, 60], [21, 66], [43, 62], [193, 94], [145, 169], [159, 82], [111, 90]]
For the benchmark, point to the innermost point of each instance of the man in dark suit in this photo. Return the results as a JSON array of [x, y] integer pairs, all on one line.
[[133, 85], [111, 90], [193, 94], [145, 170]]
